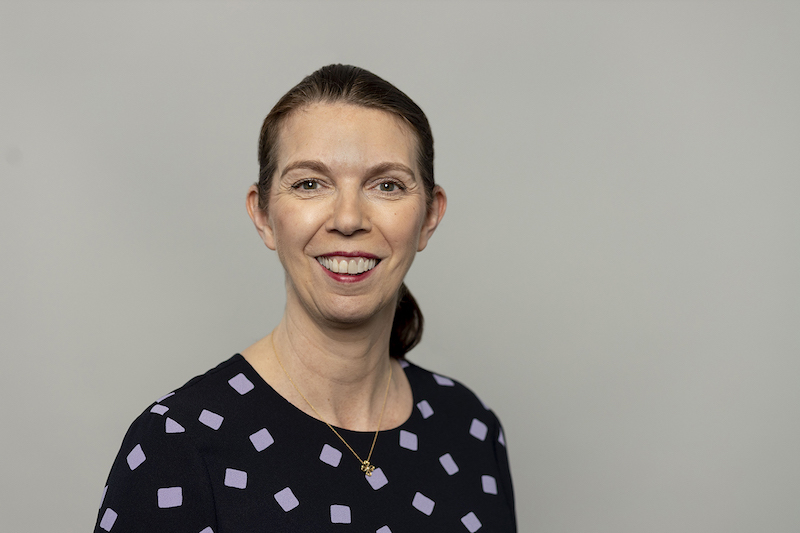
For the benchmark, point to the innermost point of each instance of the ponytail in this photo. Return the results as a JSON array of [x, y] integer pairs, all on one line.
[[407, 325]]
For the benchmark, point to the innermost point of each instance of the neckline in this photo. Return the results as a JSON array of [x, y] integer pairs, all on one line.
[[291, 406]]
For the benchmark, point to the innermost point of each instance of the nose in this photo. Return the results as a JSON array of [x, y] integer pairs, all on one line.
[[350, 213]]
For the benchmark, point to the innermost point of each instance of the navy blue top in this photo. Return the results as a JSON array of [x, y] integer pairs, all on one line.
[[226, 453]]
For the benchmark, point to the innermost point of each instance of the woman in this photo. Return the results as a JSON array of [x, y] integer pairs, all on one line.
[[322, 424]]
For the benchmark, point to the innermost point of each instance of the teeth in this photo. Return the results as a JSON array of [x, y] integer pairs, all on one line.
[[344, 266]]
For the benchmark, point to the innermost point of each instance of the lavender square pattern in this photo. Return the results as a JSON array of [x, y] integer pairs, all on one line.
[[109, 517], [261, 439], [170, 497], [241, 384], [136, 457], [340, 514], [330, 455], [235, 478], [377, 479], [408, 440], [286, 499], [212, 420], [478, 429], [425, 409], [423, 504], [471, 522]]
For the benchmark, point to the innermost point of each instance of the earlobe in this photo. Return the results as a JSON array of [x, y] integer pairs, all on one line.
[[259, 217], [434, 216]]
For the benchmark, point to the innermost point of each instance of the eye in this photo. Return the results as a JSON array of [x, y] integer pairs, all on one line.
[[390, 186], [306, 185]]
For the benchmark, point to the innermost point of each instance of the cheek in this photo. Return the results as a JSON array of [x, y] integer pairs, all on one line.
[[406, 226], [293, 228]]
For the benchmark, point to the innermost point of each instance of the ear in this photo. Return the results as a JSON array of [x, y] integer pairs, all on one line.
[[259, 217], [433, 217]]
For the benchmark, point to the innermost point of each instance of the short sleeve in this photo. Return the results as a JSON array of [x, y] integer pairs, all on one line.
[[159, 481]]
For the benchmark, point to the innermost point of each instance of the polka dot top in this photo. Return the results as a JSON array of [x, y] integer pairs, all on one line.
[[226, 453]]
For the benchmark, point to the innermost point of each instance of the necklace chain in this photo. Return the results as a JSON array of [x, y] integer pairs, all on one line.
[[366, 466]]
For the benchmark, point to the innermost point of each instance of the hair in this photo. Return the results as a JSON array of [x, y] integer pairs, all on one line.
[[355, 86]]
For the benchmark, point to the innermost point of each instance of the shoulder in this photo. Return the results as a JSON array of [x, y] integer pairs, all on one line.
[[183, 421], [170, 419], [435, 393], [211, 383], [428, 382], [160, 479], [203, 404], [455, 420], [162, 462]]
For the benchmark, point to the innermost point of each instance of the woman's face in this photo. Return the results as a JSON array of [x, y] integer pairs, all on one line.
[[347, 210]]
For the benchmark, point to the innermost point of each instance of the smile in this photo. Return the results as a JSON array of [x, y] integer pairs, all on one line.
[[352, 266]]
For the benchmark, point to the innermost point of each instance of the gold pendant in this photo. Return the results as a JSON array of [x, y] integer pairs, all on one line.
[[367, 468]]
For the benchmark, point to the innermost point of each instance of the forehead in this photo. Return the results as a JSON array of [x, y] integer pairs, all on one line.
[[345, 134]]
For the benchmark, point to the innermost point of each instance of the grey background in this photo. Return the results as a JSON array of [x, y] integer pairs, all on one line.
[[617, 273]]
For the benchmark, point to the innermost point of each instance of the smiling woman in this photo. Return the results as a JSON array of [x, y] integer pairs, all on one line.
[[286, 434], [347, 191]]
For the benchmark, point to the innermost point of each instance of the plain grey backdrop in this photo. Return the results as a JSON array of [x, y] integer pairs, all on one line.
[[616, 276]]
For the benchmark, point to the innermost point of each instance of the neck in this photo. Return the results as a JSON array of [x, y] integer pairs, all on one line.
[[349, 356], [341, 371]]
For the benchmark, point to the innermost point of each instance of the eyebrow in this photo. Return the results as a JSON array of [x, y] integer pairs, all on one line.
[[322, 168], [309, 164], [386, 167]]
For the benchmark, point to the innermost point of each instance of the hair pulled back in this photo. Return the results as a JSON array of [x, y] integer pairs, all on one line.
[[355, 86]]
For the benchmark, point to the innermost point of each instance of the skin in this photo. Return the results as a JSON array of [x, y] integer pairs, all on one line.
[[347, 181]]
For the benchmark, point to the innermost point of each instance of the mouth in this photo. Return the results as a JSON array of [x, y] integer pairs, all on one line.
[[352, 266]]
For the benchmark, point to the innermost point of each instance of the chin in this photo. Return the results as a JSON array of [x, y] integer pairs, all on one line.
[[352, 313], [351, 319]]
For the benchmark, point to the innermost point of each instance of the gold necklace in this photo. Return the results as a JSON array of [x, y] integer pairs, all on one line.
[[366, 466]]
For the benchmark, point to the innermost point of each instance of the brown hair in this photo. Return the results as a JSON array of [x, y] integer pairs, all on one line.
[[356, 86]]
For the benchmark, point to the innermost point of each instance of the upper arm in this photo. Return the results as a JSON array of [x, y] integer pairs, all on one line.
[[159, 482]]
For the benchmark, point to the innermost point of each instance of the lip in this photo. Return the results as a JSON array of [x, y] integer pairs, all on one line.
[[365, 255]]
